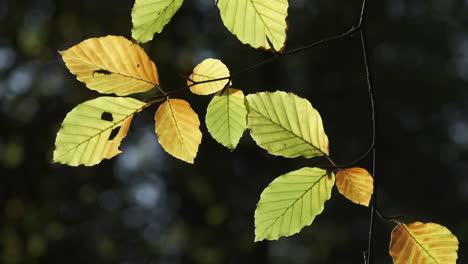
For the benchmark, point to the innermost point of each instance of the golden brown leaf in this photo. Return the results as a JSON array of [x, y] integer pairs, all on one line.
[[356, 184], [178, 129], [111, 64], [419, 243]]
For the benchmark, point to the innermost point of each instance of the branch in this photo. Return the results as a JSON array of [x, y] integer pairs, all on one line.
[[371, 91], [349, 33]]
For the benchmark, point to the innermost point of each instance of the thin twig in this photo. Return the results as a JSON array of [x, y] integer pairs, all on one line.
[[346, 34], [349, 33], [371, 90], [394, 219], [362, 17], [361, 29]]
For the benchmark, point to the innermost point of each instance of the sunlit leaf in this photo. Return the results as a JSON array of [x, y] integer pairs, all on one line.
[[291, 202], [256, 22], [208, 69], [226, 117], [178, 129], [419, 243], [286, 125], [93, 130], [111, 64], [356, 184], [150, 17]]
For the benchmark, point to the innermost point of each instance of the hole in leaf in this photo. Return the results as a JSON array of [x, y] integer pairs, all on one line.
[[107, 116], [138, 65], [101, 72], [114, 133]]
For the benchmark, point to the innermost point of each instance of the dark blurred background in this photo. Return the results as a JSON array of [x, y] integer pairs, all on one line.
[[146, 207]]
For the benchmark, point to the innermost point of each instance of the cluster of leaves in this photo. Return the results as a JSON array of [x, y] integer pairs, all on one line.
[[281, 123], [259, 23]]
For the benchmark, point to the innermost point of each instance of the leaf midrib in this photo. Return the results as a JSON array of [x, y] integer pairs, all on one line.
[[177, 127], [287, 130], [419, 244], [113, 72], [263, 21], [102, 131]]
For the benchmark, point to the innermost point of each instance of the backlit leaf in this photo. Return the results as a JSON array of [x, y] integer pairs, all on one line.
[[208, 69], [226, 117], [93, 130], [356, 184], [150, 17], [111, 64], [256, 22], [178, 129], [286, 125], [419, 243], [291, 202]]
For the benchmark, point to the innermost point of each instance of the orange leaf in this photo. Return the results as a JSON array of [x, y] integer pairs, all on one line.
[[419, 243], [178, 129], [356, 184]]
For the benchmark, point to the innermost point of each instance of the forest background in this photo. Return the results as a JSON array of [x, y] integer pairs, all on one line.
[[147, 207]]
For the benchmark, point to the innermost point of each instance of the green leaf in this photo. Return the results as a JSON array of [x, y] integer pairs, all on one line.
[[291, 202], [286, 125], [93, 130], [226, 117], [150, 17], [256, 22]]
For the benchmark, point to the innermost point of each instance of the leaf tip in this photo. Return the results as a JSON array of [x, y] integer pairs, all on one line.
[[258, 239]]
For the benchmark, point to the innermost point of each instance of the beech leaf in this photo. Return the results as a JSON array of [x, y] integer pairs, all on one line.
[[93, 130], [356, 184], [178, 129], [286, 125], [150, 17], [259, 23], [112, 64], [208, 69], [226, 117], [427, 243], [291, 202]]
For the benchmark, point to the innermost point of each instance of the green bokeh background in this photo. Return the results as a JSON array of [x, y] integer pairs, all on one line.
[[146, 207]]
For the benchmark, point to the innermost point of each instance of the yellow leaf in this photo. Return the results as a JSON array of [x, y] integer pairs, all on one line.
[[178, 129], [419, 243], [356, 184], [93, 130], [208, 69], [112, 64]]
